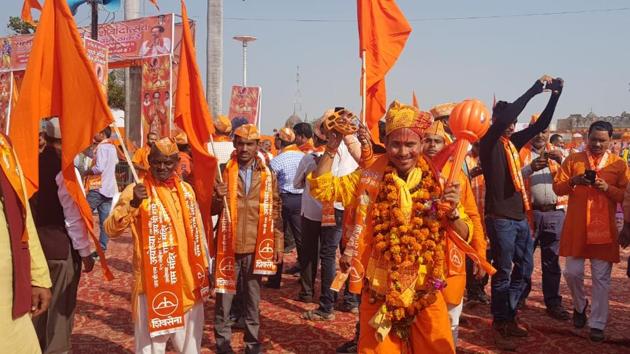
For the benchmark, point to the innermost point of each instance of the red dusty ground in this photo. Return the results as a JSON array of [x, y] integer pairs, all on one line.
[[103, 319]]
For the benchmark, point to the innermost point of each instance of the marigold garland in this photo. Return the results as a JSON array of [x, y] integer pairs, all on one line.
[[408, 244]]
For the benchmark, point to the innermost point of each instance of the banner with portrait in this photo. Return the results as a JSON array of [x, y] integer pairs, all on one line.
[[98, 54], [156, 95], [6, 90], [245, 102]]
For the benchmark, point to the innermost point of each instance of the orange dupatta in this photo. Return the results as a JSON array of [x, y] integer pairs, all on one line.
[[162, 271], [514, 163], [13, 171], [265, 243], [597, 212]]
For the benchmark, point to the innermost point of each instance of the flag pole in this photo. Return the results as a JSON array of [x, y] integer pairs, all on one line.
[[126, 153], [225, 202], [363, 87]]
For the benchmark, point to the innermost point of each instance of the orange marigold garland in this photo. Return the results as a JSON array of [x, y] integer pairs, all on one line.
[[409, 244]]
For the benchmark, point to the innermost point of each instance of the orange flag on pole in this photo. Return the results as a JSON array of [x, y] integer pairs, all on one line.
[[415, 100], [193, 116], [383, 32], [155, 3], [59, 81], [26, 10]]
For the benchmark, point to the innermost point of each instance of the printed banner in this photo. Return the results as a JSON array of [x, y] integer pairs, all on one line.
[[98, 54], [156, 95], [126, 40], [245, 102], [138, 38], [6, 88]]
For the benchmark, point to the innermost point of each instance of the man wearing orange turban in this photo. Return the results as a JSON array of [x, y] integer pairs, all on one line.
[[396, 245], [435, 139]]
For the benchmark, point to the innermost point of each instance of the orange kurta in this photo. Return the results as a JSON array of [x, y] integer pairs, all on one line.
[[430, 331], [123, 216], [454, 292], [573, 239]]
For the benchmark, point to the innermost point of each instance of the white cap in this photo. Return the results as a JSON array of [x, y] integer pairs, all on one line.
[[53, 130], [577, 135]]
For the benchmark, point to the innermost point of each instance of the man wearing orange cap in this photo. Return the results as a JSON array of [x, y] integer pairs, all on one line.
[[396, 246], [285, 166], [541, 162], [222, 146], [167, 232], [140, 158], [249, 238], [434, 141]]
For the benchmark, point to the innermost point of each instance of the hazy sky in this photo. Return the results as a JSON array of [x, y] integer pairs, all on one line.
[[444, 60]]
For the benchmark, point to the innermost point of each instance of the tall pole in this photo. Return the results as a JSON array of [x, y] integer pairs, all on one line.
[[244, 64], [214, 56], [363, 87], [94, 27], [133, 82], [245, 40]]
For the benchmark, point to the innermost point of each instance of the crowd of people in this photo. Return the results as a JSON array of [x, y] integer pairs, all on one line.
[[373, 215]]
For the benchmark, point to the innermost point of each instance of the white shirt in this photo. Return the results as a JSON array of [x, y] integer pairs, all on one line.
[[106, 161], [343, 164], [75, 225]]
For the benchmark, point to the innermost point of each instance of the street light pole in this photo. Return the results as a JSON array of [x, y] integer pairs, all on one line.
[[245, 40]]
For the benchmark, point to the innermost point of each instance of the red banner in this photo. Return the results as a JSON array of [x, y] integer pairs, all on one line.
[[245, 102]]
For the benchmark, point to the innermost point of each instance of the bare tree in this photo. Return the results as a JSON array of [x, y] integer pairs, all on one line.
[[214, 56]]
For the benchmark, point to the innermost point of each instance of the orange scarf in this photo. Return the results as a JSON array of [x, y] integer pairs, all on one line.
[[514, 163], [307, 147], [478, 185], [526, 158], [161, 266], [597, 211], [291, 147], [265, 242]]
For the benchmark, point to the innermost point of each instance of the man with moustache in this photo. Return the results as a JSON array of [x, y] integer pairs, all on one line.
[[541, 163]]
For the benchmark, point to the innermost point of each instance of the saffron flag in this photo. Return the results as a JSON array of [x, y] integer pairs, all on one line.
[[26, 10], [155, 3], [193, 116], [415, 100], [383, 32], [59, 81]]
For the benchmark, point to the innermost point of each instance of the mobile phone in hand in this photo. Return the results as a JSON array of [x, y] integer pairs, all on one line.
[[590, 176]]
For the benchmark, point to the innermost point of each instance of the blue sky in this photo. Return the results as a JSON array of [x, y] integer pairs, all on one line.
[[444, 60]]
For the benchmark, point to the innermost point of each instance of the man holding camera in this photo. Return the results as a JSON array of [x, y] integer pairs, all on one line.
[[541, 162], [595, 181]]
